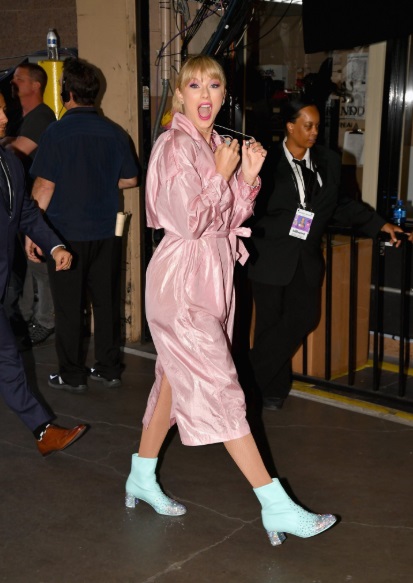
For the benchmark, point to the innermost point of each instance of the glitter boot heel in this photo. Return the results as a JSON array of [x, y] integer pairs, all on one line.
[[142, 485], [280, 514]]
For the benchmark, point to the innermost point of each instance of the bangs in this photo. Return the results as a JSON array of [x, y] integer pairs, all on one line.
[[203, 65]]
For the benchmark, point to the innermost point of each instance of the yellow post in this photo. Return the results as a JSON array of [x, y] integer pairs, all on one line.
[[52, 93]]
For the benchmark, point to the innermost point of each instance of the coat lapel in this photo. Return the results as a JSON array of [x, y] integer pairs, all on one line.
[[6, 185], [320, 164]]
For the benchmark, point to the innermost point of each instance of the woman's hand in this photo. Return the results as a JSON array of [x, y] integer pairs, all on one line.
[[253, 156], [392, 230], [227, 157]]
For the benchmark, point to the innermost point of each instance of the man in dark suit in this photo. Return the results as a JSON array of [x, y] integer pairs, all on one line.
[[18, 212], [31, 320], [297, 201]]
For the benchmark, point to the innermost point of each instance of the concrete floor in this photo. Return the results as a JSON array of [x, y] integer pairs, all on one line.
[[63, 518]]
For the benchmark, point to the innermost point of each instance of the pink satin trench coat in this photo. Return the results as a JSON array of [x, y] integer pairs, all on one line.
[[189, 284]]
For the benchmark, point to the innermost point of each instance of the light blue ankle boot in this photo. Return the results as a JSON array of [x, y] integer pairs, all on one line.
[[142, 485], [280, 514]]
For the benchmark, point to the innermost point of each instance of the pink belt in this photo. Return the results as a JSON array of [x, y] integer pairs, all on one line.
[[238, 248]]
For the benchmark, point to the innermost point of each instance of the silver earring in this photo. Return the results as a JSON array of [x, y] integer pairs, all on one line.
[[223, 101]]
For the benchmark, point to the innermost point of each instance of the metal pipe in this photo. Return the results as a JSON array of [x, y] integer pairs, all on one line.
[[165, 12], [177, 60], [403, 328], [161, 109], [352, 324], [329, 305]]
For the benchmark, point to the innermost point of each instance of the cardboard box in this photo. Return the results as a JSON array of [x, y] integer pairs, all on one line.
[[340, 314]]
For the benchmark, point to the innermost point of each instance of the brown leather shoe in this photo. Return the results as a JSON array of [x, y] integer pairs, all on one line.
[[56, 438]]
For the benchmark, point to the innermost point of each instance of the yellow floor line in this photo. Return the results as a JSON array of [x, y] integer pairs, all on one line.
[[308, 391], [384, 366], [389, 367]]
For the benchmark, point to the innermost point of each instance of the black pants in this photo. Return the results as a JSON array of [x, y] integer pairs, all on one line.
[[95, 274], [284, 316]]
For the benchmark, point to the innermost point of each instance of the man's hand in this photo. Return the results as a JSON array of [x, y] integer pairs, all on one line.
[[33, 251], [63, 258]]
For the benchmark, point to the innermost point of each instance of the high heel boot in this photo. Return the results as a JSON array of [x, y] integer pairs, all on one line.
[[142, 485], [280, 514]]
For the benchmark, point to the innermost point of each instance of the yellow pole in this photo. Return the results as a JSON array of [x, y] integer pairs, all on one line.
[[52, 93]]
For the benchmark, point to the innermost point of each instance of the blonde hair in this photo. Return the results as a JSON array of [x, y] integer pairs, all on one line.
[[198, 64]]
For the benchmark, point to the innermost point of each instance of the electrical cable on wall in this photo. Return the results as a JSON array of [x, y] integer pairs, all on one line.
[[235, 16], [279, 21], [163, 54], [181, 7], [230, 27]]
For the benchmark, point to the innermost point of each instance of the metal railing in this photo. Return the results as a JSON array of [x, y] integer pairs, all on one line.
[[383, 379]]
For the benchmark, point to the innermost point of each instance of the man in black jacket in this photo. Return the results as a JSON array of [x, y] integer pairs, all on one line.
[[297, 201], [18, 212], [27, 315]]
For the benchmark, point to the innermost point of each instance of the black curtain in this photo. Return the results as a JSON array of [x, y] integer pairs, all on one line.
[[343, 24]]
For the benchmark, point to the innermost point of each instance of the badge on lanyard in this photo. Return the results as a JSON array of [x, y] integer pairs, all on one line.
[[301, 224]]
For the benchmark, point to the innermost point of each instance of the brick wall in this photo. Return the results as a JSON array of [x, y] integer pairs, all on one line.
[[24, 26]]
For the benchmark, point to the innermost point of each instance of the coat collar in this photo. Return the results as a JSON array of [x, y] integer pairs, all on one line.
[[181, 122], [7, 194]]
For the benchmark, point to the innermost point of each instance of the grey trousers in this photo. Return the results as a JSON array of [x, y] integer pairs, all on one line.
[[36, 285]]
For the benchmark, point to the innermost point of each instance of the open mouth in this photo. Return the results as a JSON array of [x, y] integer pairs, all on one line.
[[204, 111]]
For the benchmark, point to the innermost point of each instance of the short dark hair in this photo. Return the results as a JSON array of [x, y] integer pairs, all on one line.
[[36, 73], [81, 79], [290, 110]]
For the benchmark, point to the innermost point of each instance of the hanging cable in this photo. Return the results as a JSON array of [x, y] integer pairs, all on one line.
[[230, 27]]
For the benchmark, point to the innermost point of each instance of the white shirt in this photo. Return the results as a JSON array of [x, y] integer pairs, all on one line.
[[297, 171]]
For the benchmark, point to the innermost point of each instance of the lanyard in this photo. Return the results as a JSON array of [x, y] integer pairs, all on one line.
[[304, 196], [299, 187]]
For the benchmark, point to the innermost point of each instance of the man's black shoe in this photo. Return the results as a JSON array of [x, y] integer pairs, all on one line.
[[39, 333], [107, 383], [56, 382], [272, 403]]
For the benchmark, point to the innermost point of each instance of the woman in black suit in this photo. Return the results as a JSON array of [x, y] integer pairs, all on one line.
[[286, 266]]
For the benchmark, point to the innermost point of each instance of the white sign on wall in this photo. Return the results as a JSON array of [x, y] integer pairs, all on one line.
[[353, 106], [274, 72]]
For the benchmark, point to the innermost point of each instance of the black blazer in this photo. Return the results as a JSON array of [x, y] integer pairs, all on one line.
[[25, 216], [274, 254]]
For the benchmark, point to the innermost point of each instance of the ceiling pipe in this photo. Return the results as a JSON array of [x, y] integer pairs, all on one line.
[[165, 12]]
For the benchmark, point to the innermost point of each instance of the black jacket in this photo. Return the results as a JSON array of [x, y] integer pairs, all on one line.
[[274, 254], [24, 216]]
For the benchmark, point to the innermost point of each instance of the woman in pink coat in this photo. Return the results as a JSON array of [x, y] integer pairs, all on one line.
[[200, 190]]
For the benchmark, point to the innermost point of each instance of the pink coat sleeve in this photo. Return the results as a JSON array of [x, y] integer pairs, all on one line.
[[185, 195]]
